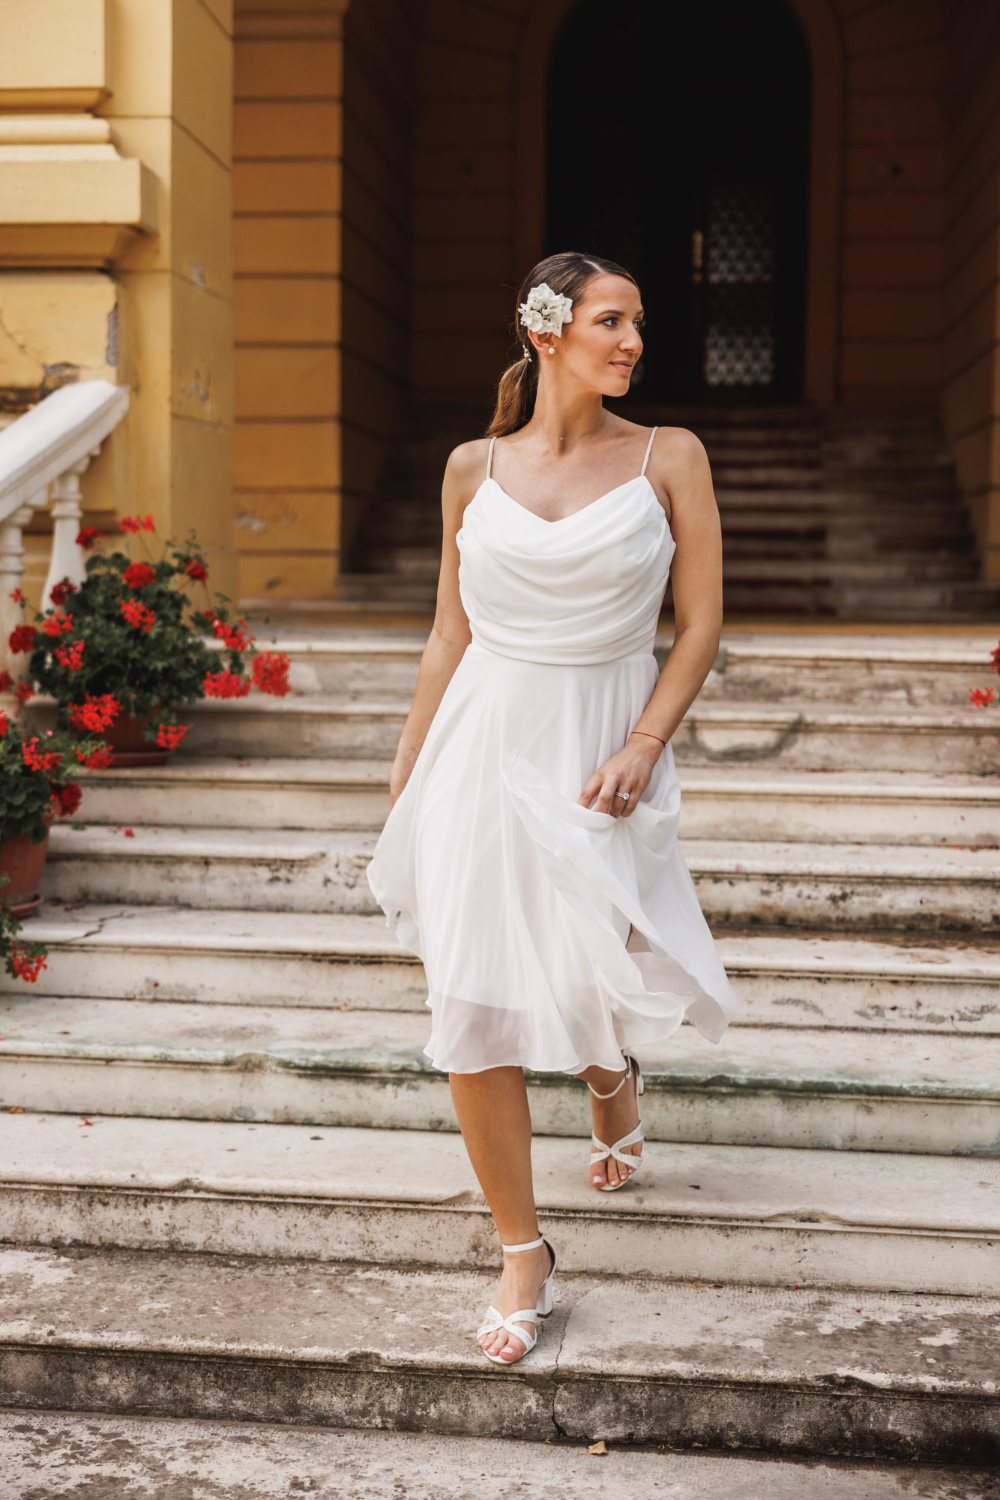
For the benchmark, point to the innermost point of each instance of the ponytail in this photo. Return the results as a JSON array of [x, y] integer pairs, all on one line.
[[515, 396]]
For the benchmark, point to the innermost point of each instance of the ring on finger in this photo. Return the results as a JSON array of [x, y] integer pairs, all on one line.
[[623, 795]]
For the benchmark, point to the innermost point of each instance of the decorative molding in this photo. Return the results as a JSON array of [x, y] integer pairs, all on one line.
[[54, 130], [54, 54]]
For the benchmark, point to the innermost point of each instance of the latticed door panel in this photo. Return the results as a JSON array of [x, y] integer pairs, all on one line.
[[738, 319]]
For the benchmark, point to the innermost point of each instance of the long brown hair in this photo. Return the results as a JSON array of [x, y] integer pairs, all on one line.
[[566, 273]]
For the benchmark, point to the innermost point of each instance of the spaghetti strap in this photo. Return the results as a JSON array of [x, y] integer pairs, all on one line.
[[648, 447], [489, 459]]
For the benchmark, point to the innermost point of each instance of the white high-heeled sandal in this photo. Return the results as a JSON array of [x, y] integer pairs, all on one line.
[[630, 1159], [542, 1308]]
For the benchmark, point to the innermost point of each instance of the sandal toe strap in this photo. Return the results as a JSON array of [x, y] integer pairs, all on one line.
[[630, 1160], [524, 1315]]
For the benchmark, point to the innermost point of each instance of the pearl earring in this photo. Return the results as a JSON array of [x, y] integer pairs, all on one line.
[[552, 351]]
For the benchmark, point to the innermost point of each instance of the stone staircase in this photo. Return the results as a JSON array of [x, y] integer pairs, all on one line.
[[842, 513], [811, 1254]]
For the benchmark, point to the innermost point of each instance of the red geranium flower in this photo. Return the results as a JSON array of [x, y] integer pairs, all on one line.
[[23, 692], [233, 636], [16, 595], [61, 591], [225, 685], [195, 569], [137, 574], [5, 682], [95, 713], [70, 656], [68, 798], [25, 967], [58, 624], [22, 638], [138, 615], [87, 537], [37, 760], [169, 736], [4, 723], [98, 758], [270, 672]]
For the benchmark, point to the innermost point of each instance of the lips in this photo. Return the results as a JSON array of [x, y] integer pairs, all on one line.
[[623, 365]]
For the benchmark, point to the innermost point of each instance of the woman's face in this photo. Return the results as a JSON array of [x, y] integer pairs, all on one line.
[[603, 342]]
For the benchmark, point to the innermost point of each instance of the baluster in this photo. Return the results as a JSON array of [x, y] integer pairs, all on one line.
[[11, 578], [67, 555]]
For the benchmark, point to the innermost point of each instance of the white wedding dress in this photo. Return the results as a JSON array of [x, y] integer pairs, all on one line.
[[518, 899]]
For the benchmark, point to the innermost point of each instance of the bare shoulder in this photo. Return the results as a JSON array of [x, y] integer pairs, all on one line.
[[681, 447], [466, 468], [679, 470]]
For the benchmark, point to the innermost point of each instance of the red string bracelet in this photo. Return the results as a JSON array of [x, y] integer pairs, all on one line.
[[651, 736]]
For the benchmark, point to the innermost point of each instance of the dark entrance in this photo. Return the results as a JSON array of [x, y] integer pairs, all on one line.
[[679, 146]]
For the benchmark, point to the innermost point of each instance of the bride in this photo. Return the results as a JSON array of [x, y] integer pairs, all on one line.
[[530, 856]]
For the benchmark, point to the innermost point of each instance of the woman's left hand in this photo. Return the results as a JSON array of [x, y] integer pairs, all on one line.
[[629, 770]]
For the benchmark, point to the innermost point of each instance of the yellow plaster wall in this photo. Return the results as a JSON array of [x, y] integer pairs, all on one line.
[[288, 231]]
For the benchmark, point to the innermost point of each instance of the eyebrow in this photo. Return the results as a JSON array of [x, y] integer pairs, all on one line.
[[617, 312]]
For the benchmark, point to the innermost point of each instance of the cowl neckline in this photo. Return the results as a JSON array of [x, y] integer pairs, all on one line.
[[574, 515]]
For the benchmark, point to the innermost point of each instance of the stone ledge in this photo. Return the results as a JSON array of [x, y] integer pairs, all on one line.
[[811, 1372], [69, 1454]]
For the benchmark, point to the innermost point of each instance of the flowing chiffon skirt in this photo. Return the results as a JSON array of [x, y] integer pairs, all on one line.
[[553, 936]]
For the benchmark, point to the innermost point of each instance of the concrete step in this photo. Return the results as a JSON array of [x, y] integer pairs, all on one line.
[[876, 1220], [906, 1378], [418, 565], [803, 737], [334, 961], [936, 888], [743, 802], [897, 671], [829, 666], [72, 1455], [760, 593], [806, 1087]]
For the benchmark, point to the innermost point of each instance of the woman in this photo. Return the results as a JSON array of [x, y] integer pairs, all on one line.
[[530, 854]]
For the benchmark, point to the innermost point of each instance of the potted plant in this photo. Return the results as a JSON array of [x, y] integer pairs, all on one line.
[[126, 651], [38, 781]]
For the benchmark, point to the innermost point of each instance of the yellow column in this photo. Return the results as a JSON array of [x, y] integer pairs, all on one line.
[[288, 226]]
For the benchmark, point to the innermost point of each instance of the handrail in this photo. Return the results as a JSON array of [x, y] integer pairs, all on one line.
[[51, 438], [49, 447]]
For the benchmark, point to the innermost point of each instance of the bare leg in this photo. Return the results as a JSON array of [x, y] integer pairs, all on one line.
[[493, 1114], [612, 1119]]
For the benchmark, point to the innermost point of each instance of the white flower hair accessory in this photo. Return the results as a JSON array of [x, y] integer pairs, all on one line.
[[546, 311]]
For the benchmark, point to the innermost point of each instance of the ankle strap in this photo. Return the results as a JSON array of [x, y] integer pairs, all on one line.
[[624, 1079], [528, 1245]]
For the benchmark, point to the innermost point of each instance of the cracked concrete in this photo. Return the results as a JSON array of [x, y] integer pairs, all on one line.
[[215, 1335]]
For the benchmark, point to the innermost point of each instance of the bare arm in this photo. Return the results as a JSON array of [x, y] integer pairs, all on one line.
[[682, 471], [696, 574], [450, 633]]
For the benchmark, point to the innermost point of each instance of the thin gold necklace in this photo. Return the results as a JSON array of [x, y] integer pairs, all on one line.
[[562, 439]]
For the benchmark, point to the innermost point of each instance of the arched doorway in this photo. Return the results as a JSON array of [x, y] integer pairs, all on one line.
[[678, 144]]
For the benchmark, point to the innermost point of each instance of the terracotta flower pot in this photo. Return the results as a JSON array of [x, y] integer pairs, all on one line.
[[130, 749], [22, 861]]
